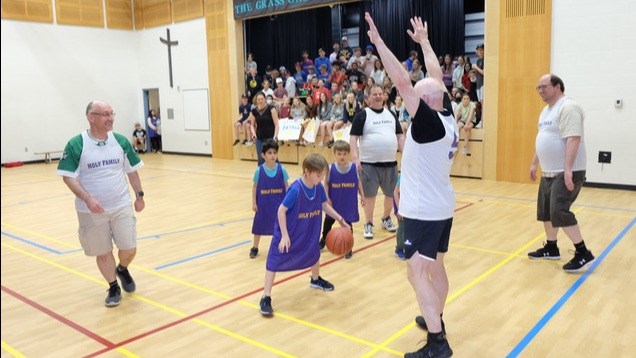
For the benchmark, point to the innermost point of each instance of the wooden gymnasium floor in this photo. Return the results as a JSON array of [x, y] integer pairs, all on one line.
[[197, 290]]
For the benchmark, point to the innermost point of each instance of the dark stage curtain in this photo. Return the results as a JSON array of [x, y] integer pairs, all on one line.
[[445, 20], [279, 40]]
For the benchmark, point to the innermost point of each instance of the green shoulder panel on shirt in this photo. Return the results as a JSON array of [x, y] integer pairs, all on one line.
[[129, 152], [71, 157]]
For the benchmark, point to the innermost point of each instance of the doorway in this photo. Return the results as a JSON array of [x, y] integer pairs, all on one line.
[[151, 101]]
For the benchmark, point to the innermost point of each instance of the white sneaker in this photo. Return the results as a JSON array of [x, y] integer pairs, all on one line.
[[368, 231], [249, 143], [387, 223]]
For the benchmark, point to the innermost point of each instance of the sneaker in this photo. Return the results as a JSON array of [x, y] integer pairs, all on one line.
[[266, 306], [466, 151], [244, 141], [547, 252], [432, 349], [368, 231], [580, 261], [419, 320], [321, 284], [322, 243], [127, 281], [387, 224], [249, 143], [236, 141], [348, 255], [253, 252], [399, 253], [114, 296]]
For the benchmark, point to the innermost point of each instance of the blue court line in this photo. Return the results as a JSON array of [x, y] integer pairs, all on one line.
[[203, 255], [32, 243], [568, 294], [56, 252], [157, 236]]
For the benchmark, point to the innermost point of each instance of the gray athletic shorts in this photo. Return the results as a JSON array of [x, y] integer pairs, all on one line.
[[554, 199], [426, 238], [97, 232], [374, 177]]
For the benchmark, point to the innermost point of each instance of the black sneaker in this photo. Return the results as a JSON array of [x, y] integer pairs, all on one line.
[[547, 252], [432, 349], [322, 243], [236, 141], [348, 255], [266, 306], [580, 261], [253, 252], [127, 281], [322, 284], [422, 324], [114, 296]]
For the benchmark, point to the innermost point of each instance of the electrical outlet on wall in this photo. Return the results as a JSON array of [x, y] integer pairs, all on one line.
[[605, 157]]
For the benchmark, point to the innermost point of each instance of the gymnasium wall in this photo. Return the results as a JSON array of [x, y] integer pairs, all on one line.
[[594, 52], [50, 72]]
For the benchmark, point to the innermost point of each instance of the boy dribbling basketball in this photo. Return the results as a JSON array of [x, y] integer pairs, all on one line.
[[342, 186], [294, 246]]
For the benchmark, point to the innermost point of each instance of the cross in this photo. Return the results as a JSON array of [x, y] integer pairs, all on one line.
[[170, 44]]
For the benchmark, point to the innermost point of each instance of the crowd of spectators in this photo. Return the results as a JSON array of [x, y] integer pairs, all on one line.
[[333, 87]]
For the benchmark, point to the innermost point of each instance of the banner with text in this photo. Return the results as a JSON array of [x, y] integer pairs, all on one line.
[[246, 9], [289, 129]]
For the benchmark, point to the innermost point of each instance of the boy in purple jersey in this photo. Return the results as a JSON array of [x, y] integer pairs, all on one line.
[[268, 191], [342, 186], [297, 229]]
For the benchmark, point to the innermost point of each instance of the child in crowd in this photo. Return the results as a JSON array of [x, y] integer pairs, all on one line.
[[139, 138], [342, 186], [297, 229], [244, 113], [268, 191], [399, 237]]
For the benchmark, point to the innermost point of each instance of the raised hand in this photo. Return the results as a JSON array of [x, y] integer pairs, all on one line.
[[373, 33], [420, 30]]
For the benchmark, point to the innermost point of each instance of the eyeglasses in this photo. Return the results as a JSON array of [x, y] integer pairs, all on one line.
[[105, 114], [542, 87]]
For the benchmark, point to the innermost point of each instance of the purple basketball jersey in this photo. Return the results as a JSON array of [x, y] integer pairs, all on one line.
[[270, 192], [303, 226]]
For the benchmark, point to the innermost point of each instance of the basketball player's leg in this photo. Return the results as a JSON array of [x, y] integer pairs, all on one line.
[[266, 301], [427, 297]]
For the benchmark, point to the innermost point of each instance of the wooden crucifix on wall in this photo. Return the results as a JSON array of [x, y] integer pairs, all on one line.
[[170, 43]]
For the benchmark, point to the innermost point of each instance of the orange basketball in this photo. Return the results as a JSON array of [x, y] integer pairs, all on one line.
[[339, 240]]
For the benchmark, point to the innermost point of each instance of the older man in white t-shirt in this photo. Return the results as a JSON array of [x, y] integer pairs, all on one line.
[[380, 136]]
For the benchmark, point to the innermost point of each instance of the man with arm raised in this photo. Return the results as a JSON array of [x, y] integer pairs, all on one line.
[[427, 200]]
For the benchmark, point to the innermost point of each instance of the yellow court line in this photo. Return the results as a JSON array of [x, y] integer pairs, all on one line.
[[151, 302], [278, 314], [481, 249], [126, 352], [12, 350], [466, 288], [40, 235], [53, 263], [196, 287]]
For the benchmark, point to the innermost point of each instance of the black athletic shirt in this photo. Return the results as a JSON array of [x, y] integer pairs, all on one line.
[[426, 126]]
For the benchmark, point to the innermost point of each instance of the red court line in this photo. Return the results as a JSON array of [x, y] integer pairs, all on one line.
[[225, 303], [110, 345], [61, 319]]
